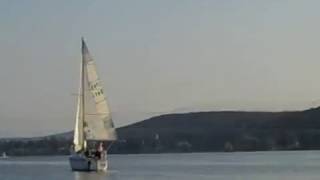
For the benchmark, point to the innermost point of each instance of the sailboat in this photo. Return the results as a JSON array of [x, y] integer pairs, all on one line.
[[94, 130], [4, 155]]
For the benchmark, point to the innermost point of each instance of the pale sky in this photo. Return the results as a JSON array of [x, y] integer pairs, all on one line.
[[156, 57]]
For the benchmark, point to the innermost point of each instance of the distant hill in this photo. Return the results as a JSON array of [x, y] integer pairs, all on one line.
[[197, 132]]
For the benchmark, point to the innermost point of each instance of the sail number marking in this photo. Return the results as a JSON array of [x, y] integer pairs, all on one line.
[[96, 89]]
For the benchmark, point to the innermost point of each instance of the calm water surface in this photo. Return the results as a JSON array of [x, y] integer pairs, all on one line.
[[297, 165]]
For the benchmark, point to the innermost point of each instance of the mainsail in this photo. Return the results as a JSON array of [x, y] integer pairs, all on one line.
[[94, 120]]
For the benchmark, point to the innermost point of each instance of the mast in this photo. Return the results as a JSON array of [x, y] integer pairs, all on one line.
[[83, 90]]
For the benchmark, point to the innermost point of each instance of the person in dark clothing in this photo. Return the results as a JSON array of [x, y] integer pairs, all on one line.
[[86, 153], [98, 155]]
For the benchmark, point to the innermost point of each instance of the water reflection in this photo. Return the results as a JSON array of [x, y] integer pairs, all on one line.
[[93, 176]]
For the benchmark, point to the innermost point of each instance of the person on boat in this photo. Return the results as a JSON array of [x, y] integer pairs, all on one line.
[[87, 153], [99, 150]]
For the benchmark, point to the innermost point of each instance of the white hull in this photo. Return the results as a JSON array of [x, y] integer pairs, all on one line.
[[78, 162]]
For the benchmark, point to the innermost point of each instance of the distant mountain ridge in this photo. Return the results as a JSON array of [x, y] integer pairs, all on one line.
[[198, 132]]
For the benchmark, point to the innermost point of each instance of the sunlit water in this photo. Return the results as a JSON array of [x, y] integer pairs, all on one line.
[[298, 165]]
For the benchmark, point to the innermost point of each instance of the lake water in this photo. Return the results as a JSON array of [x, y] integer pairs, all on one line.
[[284, 165]]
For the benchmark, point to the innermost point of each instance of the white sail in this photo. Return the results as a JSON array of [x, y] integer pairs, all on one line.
[[93, 119], [78, 138], [97, 121]]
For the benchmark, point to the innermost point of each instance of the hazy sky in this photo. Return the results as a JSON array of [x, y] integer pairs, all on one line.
[[156, 57]]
